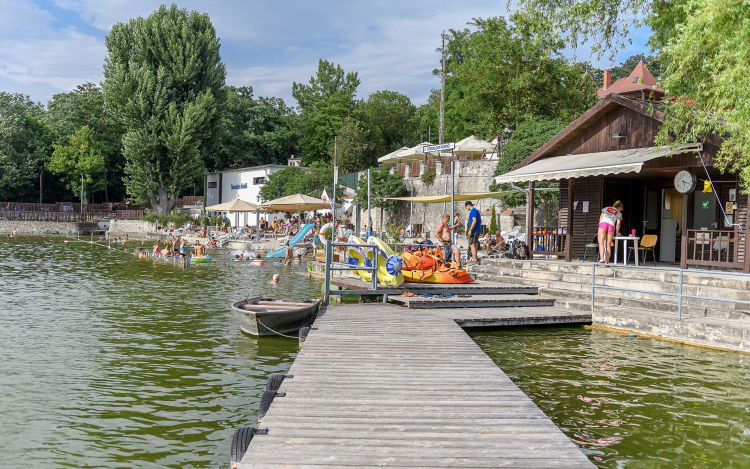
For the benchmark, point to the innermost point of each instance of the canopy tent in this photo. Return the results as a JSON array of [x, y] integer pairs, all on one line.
[[235, 206], [439, 199], [591, 164], [473, 147], [415, 153], [296, 203], [391, 157]]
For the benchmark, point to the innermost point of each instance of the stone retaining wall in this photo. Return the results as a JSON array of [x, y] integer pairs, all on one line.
[[131, 226], [45, 227]]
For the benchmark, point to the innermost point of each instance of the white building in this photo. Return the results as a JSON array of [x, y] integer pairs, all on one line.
[[243, 183]]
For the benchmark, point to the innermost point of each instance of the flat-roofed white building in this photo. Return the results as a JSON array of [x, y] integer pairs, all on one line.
[[243, 183]]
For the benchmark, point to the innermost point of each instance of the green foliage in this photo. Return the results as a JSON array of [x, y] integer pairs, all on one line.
[[524, 141], [309, 181], [25, 144], [164, 81], [84, 106], [178, 220], [493, 222], [354, 147], [502, 74], [82, 155], [708, 62], [383, 186], [254, 132], [324, 103], [428, 177], [390, 117]]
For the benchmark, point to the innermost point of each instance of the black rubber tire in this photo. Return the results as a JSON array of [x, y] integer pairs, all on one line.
[[240, 441], [265, 403], [274, 381], [303, 334]]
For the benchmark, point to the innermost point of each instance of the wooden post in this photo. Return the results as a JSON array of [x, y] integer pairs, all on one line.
[[746, 254], [530, 217], [684, 243], [569, 227]]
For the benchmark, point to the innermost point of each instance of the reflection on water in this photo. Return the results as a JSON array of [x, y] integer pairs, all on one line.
[[632, 402], [109, 361]]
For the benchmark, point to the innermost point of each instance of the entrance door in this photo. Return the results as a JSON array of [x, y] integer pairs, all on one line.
[[704, 211], [651, 222]]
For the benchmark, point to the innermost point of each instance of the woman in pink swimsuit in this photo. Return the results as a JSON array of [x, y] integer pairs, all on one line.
[[609, 224]]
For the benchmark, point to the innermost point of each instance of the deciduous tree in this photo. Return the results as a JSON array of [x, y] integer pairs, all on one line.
[[354, 147], [82, 156], [324, 103], [164, 81]]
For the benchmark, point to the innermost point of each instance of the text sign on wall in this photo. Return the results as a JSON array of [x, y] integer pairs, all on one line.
[[441, 147], [239, 186]]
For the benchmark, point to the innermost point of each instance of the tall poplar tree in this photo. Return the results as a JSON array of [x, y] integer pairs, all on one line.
[[164, 81]]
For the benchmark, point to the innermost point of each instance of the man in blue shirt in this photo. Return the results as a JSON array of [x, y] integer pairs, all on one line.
[[475, 229]]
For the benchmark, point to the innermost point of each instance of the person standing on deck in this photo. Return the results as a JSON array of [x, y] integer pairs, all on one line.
[[444, 234], [475, 229], [609, 224]]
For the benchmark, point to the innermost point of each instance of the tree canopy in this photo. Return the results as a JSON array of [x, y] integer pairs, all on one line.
[[164, 81], [502, 73], [254, 131], [311, 181], [82, 156], [25, 144], [324, 103]]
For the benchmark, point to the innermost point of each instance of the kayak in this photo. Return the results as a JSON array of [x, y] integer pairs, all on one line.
[[429, 266], [360, 256], [201, 259]]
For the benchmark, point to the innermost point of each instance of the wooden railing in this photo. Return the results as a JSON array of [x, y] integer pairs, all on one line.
[[549, 240], [129, 214], [714, 248], [47, 216]]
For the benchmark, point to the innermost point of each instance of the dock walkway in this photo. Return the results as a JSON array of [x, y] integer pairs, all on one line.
[[381, 385]]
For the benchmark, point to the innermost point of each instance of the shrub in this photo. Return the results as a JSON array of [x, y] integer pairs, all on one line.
[[493, 221], [178, 220], [428, 177]]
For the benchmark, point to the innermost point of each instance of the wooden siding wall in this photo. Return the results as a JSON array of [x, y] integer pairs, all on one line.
[[740, 215], [584, 224], [639, 130]]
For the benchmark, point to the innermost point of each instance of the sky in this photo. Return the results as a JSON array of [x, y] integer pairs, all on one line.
[[50, 46]]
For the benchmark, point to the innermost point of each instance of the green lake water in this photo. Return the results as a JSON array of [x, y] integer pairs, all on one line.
[[110, 361], [632, 402]]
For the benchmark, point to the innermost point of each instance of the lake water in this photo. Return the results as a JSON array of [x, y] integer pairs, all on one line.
[[110, 361], [632, 402]]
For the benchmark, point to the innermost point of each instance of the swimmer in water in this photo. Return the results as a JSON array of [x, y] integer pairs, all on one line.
[[13, 233], [66, 240], [276, 279], [143, 254]]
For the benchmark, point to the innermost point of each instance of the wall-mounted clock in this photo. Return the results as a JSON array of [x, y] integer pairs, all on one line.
[[685, 182]]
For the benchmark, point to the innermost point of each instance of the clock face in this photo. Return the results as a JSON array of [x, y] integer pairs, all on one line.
[[684, 182]]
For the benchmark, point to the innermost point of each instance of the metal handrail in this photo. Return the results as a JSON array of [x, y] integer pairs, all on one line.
[[679, 295], [331, 266]]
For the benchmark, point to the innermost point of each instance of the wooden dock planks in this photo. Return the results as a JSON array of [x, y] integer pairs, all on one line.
[[379, 385]]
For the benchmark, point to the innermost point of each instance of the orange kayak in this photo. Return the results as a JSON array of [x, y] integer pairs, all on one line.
[[429, 276]]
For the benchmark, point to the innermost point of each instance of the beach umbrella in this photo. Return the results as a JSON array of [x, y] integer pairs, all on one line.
[[295, 203], [235, 206], [472, 146]]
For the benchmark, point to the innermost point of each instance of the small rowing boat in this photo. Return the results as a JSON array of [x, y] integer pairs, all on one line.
[[268, 316]]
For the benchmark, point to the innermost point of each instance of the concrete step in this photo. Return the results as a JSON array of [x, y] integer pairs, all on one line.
[[703, 278], [472, 301]]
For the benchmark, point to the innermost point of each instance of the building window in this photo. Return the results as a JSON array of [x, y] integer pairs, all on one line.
[[212, 185], [258, 181]]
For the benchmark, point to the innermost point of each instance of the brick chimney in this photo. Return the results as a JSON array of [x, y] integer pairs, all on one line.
[[607, 79]]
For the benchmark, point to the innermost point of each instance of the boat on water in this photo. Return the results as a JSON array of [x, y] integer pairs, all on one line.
[[428, 265], [268, 316]]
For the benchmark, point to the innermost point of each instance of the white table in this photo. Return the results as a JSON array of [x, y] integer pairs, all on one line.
[[625, 240]]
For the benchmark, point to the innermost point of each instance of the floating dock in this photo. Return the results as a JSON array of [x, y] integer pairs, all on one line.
[[379, 385]]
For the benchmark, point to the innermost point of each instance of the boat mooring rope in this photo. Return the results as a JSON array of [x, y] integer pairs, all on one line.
[[277, 333]]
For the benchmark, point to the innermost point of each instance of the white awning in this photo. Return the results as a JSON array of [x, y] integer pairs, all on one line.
[[591, 164]]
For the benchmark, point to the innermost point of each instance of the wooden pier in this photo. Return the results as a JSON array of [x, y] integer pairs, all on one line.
[[381, 385]]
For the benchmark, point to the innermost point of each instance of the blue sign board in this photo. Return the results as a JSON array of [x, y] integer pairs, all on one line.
[[239, 186]]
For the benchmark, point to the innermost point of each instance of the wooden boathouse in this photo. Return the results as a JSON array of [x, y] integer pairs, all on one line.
[[608, 154]]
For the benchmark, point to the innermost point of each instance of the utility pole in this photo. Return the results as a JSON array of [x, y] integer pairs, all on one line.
[[41, 188], [81, 192], [429, 133], [442, 94]]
